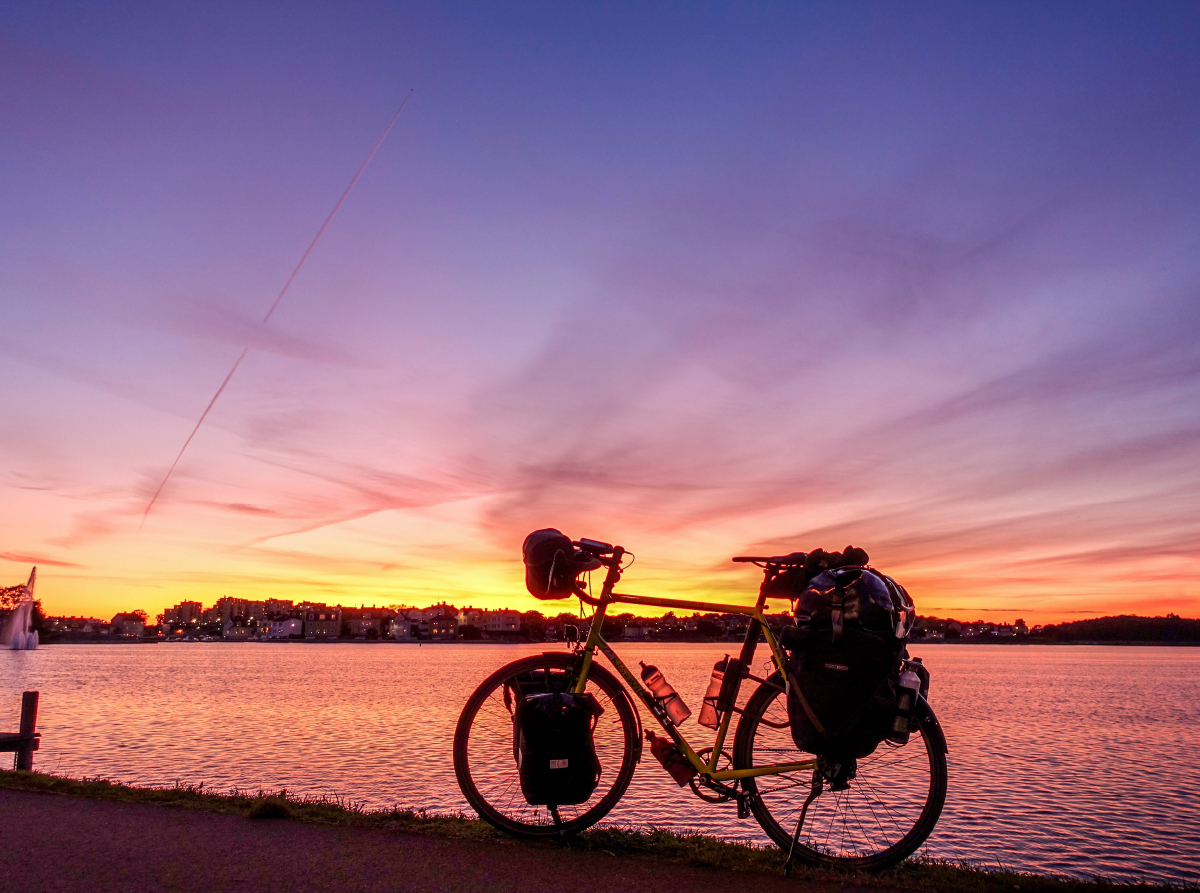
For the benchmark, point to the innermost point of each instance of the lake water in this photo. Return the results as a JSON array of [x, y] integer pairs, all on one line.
[[1072, 760]]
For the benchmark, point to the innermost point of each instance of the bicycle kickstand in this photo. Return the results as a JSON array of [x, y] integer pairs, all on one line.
[[791, 858], [558, 824]]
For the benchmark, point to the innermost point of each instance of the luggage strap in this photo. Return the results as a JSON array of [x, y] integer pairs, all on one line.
[[808, 711]]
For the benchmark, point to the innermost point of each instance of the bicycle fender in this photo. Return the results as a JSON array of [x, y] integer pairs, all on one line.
[[930, 725]]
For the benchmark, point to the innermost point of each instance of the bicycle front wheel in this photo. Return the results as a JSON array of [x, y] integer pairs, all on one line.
[[485, 763], [882, 814]]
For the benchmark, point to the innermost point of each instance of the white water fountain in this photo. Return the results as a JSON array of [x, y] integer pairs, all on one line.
[[17, 635]]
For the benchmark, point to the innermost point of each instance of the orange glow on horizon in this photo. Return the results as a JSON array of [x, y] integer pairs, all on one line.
[[498, 583]]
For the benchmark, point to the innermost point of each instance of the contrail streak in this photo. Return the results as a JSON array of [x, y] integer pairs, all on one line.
[[278, 298]]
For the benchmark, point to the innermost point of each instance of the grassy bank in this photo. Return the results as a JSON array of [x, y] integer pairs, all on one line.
[[693, 849]]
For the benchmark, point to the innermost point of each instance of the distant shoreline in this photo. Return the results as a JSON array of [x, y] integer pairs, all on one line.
[[912, 643]]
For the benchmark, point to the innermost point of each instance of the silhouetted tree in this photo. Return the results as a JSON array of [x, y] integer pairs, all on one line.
[[10, 597], [533, 624]]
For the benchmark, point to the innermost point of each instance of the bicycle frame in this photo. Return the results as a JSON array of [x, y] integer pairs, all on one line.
[[595, 640]]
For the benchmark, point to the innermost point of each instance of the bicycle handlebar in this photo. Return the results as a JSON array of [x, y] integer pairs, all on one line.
[[793, 560], [594, 547], [609, 557]]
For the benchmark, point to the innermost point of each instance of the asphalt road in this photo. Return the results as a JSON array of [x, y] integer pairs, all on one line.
[[57, 843]]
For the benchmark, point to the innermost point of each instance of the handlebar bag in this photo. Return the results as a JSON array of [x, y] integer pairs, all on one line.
[[556, 755], [552, 564]]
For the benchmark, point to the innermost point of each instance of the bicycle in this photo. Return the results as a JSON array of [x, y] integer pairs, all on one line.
[[869, 818]]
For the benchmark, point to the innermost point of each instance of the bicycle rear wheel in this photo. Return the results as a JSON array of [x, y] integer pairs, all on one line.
[[485, 764], [884, 813]]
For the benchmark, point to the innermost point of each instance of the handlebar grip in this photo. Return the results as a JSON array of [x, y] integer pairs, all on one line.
[[742, 559], [595, 547]]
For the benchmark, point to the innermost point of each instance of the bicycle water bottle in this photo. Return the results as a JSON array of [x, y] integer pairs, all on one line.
[[907, 689], [667, 696], [709, 715]]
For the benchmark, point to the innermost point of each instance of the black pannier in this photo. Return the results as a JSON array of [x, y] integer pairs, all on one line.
[[552, 741], [847, 651], [552, 564]]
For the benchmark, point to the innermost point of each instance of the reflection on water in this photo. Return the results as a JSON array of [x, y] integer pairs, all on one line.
[[1080, 760]]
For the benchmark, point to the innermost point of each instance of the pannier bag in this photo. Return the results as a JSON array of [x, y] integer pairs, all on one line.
[[556, 756], [552, 564], [847, 652]]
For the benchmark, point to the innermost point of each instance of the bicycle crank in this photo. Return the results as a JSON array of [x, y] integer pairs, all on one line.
[[714, 791]]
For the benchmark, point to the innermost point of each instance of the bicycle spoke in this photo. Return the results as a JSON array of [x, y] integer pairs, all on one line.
[[485, 760], [884, 812]]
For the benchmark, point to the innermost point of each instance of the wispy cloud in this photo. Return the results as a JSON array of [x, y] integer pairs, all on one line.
[[36, 559], [793, 288]]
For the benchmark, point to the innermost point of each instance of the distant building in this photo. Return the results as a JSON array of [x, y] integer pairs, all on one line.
[[74, 624], [401, 629], [498, 622], [322, 623], [183, 614], [286, 628], [127, 625], [235, 633], [502, 621], [371, 623], [439, 622]]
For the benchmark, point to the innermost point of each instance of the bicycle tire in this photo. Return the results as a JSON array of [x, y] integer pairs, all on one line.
[[887, 811], [485, 766]]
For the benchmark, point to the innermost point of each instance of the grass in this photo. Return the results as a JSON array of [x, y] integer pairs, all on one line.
[[926, 876]]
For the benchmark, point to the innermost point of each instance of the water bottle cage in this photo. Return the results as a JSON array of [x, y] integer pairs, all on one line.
[[660, 707], [735, 671]]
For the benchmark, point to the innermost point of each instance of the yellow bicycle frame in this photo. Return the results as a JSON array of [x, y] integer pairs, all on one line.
[[757, 622]]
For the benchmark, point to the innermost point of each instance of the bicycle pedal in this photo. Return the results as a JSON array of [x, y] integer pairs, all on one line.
[[743, 807]]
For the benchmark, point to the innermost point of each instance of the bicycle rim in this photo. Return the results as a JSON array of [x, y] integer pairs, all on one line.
[[888, 810], [485, 765]]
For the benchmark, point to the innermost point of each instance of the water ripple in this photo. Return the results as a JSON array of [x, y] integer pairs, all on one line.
[[1073, 760]]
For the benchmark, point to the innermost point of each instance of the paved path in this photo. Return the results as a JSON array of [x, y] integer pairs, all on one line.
[[56, 843]]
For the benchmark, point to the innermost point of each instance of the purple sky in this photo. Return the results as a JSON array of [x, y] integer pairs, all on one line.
[[698, 279]]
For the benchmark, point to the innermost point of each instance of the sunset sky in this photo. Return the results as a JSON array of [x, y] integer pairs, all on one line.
[[702, 279]]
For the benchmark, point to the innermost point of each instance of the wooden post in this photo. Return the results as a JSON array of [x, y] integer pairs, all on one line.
[[29, 705], [26, 741]]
